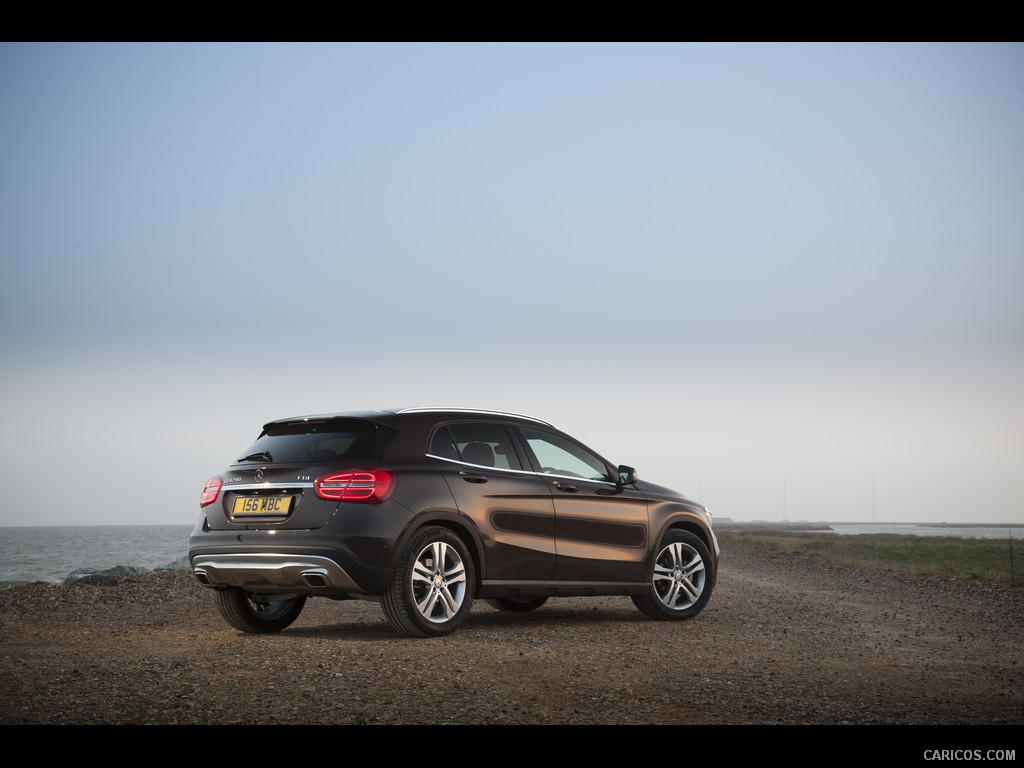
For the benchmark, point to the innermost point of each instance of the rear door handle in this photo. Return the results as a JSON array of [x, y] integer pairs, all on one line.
[[471, 477]]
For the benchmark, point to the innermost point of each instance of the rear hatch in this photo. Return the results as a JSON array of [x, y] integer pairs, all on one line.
[[271, 484]]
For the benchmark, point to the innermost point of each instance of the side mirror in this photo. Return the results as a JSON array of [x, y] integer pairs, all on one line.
[[627, 475]]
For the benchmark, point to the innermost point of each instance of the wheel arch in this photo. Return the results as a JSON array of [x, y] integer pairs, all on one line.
[[454, 523], [684, 520]]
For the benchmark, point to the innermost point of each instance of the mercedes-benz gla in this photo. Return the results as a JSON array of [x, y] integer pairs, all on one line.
[[427, 509]]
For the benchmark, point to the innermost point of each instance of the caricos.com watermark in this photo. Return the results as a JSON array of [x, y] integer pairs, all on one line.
[[970, 754]]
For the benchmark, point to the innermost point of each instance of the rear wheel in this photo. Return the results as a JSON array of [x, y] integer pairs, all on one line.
[[242, 612], [682, 580], [517, 604], [432, 591]]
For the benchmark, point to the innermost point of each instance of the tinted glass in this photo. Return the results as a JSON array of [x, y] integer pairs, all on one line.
[[313, 443], [484, 444], [443, 445]]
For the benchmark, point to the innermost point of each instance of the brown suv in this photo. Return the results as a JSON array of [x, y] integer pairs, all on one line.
[[425, 509]]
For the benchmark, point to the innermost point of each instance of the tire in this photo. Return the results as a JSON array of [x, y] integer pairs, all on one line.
[[432, 590], [242, 612], [517, 604], [681, 581]]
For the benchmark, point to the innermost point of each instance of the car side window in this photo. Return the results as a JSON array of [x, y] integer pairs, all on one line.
[[558, 456], [442, 445], [483, 444]]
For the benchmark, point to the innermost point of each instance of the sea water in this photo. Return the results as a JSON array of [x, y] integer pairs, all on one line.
[[50, 553]]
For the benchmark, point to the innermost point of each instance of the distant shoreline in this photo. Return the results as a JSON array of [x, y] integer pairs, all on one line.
[[803, 523], [52, 553], [102, 525]]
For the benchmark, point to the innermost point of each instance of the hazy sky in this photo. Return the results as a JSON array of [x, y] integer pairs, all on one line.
[[785, 279]]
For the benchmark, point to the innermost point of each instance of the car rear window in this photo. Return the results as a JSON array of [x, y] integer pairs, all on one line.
[[306, 442]]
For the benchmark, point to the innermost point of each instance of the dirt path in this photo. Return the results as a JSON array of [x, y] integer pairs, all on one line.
[[785, 639]]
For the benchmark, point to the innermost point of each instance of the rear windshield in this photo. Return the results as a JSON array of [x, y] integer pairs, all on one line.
[[319, 442]]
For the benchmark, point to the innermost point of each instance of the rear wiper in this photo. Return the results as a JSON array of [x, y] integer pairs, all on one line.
[[261, 456]]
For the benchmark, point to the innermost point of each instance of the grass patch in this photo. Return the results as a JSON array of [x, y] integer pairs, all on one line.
[[933, 555]]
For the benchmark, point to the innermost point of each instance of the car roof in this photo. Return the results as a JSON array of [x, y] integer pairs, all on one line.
[[376, 415]]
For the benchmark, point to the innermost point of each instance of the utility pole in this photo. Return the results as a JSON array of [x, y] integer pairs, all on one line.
[[785, 511], [874, 513]]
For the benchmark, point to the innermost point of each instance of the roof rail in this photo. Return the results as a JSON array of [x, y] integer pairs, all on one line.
[[473, 410]]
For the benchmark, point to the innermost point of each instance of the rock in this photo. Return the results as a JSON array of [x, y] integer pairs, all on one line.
[[100, 577], [181, 564]]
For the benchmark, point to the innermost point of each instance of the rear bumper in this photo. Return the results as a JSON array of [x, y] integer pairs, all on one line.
[[273, 572], [350, 556], [298, 562]]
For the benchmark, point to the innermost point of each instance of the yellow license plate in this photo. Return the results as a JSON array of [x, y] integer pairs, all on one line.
[[261, 505]]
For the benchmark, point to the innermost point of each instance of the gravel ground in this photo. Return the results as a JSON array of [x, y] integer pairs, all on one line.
[[785, 639]]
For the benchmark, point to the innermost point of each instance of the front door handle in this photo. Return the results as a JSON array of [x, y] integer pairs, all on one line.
[[566, 487]]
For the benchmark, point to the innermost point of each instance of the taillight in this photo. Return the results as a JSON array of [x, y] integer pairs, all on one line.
[[211, 491], [369, 486]]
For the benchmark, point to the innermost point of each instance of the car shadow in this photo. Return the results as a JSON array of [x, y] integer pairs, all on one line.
[[482, 619]]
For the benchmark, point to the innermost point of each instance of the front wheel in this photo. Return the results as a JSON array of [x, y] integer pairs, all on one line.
[[682, 580], [432, 590], [242, 612]]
